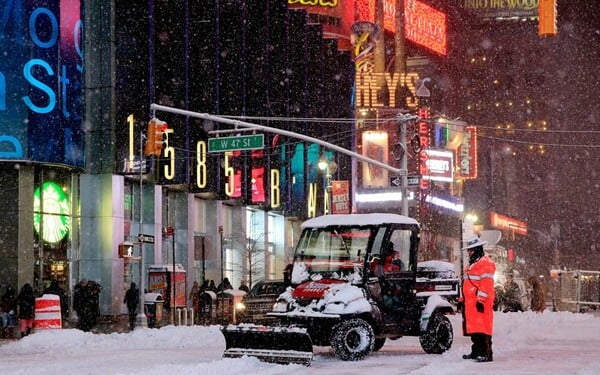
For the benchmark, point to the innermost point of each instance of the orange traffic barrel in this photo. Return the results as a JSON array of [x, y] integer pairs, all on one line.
[[47, 312]]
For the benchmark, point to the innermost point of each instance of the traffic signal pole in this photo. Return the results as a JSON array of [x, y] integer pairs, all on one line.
[[249, 126], [141, 318]]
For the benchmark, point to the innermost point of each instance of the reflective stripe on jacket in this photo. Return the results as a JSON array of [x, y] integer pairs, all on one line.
[[478, 285]]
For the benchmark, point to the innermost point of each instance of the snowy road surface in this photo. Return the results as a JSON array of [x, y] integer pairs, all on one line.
[[524, 343]]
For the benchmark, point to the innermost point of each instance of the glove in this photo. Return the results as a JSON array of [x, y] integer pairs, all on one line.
[[479, 307]]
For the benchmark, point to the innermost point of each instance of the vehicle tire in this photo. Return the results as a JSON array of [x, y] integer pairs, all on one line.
[[378, 344], [438, 337], [352, 340]]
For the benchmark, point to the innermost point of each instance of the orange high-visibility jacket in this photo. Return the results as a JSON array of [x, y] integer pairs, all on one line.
[[478, 285]]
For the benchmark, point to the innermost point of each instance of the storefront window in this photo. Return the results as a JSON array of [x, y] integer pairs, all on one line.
[[52, 225]]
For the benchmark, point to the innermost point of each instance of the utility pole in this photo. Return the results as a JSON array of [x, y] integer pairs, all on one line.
[[142, 320], [403, 119], [250, 127]]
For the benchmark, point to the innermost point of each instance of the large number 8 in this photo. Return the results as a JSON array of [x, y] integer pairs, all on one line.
[[201, 164]]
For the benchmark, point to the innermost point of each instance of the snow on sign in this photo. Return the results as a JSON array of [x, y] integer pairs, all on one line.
[[241, 142]]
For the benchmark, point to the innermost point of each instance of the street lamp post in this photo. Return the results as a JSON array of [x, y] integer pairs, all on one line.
[[141, 318], [328, 167]]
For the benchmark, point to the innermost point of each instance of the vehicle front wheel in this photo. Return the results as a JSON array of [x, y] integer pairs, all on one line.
[[438, 337], [352, 340]]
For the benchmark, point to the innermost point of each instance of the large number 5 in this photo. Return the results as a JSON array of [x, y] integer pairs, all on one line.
[[169, 153], [230, 174]]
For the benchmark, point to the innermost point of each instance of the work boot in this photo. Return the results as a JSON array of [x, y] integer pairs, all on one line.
[[468, 356]]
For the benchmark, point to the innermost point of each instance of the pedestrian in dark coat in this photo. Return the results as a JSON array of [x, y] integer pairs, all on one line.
[[211, 286], [132, 299], [244, 287], [224, 285], [86, 302], [538, 295], [8, 311], [55, 289], [26, 303], [511, 297]]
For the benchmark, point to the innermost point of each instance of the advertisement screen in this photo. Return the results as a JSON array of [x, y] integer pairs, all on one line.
[[41, 82]]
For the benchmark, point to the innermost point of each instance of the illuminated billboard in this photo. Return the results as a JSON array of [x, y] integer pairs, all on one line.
[[424, 25], [41, 82], [54, 224], [375, 146], [501, 9], [508, 223], [336, 17], [438, 165], [466, 154]]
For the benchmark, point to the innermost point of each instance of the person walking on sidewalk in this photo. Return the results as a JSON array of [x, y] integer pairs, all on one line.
[[8, 312], [132, 299], [26, 302]]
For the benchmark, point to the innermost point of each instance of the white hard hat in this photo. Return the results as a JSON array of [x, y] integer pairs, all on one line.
[[474, 242]]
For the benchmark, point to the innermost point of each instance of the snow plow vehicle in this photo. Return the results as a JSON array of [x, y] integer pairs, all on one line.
[[354, 285]]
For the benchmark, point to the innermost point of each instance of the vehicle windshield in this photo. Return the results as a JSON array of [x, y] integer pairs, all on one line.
[[266, 288], [331, 253]]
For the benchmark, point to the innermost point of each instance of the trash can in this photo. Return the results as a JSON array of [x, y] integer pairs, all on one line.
[[153, 308], [206, 312]]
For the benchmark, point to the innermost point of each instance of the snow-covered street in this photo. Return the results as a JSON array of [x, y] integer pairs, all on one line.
[[524, 343]]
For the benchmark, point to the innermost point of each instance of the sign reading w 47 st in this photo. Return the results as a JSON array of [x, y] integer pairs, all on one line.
[[241, 142]]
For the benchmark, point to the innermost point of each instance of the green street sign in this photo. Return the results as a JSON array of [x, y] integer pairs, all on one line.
[[241, 142]]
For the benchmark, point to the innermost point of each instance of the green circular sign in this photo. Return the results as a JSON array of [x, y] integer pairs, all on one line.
[[56, 209]]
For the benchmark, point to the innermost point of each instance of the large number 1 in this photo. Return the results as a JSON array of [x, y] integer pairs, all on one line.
[[131, 147]]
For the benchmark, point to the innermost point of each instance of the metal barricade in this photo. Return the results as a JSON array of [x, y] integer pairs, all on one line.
[[577, 291]]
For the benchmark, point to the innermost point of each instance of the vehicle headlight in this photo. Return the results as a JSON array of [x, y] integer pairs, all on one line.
[[240, 306], [280, 306]]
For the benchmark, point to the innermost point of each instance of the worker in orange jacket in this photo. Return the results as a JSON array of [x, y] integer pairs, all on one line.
[[477, 301]]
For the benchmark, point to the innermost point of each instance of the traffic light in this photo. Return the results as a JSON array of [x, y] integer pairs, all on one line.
[[547, 18], [154, 142], [126, 250]]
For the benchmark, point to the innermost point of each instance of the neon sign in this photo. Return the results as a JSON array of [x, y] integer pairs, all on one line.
[[425, 26], [41, 82], [55, 220], [467, 154]]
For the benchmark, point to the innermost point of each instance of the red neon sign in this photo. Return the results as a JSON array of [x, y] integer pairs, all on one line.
[[507, 223], [425, 25]]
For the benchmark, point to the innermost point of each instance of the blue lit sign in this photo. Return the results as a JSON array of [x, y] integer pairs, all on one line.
[[41, 81]]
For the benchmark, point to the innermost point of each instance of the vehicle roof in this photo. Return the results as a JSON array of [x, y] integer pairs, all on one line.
[[358, 219], [276, 281]]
